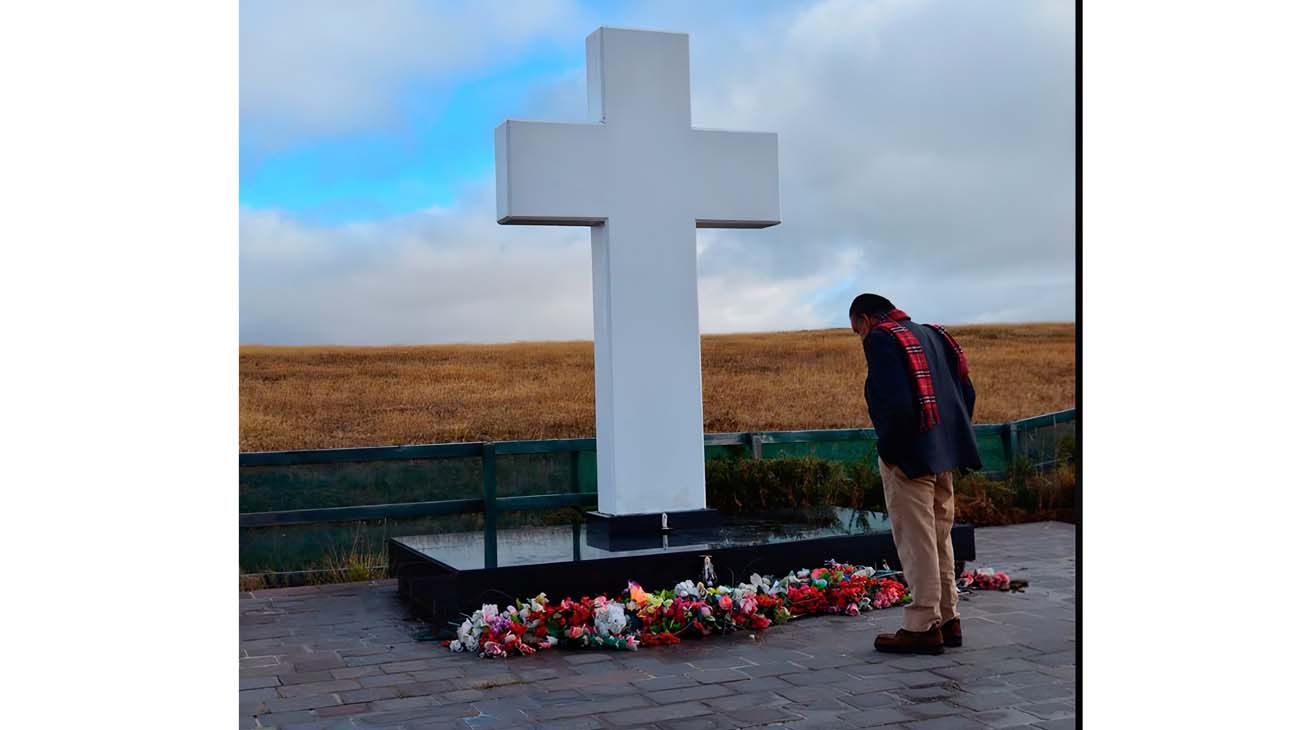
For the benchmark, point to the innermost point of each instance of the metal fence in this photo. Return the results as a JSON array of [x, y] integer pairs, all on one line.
[[297, 506]]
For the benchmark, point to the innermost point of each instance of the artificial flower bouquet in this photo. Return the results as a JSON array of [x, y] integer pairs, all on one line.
[[690, 609], [984, 579]]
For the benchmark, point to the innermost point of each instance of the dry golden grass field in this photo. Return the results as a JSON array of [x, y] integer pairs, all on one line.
[[326, 397]]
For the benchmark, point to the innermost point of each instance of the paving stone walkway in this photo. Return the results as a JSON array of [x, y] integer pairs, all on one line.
[[347, 656]]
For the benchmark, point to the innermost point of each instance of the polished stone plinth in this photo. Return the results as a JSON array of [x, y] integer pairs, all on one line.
[[446, 575]]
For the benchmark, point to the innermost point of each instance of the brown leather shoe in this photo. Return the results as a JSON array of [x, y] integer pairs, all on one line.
[[951, 632], [911, 642]]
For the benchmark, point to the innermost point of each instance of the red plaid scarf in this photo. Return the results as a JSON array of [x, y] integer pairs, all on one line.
[[919, 367]]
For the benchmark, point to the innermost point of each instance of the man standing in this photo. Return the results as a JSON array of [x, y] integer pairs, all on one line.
[[921, 401]]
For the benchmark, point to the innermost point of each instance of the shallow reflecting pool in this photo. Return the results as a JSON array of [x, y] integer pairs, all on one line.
[[569, 543]]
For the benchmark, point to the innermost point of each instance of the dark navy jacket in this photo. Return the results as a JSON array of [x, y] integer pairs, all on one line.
[[891, 401]]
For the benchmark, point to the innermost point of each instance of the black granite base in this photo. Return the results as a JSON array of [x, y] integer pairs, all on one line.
[[629, 532], [443, 581]]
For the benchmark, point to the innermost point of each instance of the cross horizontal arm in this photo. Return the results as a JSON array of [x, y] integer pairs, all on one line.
[[549, 173], [735, 179]]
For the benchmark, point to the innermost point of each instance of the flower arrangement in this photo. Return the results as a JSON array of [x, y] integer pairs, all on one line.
[[639, 617], [985, 579]]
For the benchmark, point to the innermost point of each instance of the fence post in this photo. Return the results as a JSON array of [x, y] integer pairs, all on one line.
[[489, 506], [1013, 444], [756, 445]]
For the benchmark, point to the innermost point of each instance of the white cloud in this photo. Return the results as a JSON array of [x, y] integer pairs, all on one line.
[[927, 153], [311, 68], [454, 275], [434, 276], [935, 136]]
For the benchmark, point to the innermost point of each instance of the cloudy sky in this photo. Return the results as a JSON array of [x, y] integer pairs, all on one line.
[[926, 153]]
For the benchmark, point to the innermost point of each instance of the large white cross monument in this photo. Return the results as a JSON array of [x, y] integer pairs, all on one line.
[[643, 179]]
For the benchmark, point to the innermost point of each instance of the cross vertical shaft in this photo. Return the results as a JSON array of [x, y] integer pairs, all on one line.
[[643, 179]]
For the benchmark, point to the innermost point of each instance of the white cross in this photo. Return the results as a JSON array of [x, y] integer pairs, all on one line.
[[643, 179]]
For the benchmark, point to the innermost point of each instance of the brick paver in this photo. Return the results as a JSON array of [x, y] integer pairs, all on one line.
[[350, 656]]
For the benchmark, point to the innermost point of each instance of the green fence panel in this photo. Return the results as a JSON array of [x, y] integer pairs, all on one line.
[[587, 471], [530, 475], [308, 486], [291, 548], [725, 451], [853, 450], [993, 451], [1039, 439], [527, 474]]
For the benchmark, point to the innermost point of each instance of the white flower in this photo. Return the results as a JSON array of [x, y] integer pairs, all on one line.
[[610, 619], [467, 636], [457, 646], [762, 584], [865, 572], [687, 588], [489, 611]]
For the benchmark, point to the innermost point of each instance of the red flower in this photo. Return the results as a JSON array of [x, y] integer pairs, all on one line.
[[581, 615], [659, 638]]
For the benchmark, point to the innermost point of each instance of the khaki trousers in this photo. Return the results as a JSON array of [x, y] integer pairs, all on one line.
[[920, 516]]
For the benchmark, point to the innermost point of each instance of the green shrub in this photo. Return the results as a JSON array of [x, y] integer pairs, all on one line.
[[747, 485], [867, 490], [1025, 496], [738, 485], [1067, 450]]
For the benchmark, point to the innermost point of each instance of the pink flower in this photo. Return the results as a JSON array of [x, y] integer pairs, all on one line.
[[724, 603]]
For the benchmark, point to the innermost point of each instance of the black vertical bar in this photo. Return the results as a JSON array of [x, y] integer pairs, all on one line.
[[576, 486], [489, 506]]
